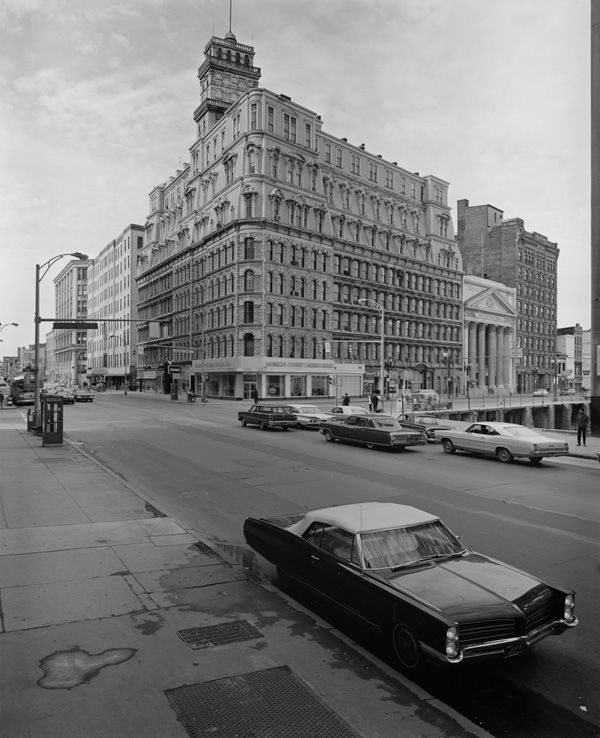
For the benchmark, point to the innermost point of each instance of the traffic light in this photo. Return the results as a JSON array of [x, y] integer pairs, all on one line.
[[349, 350], [330, 379]]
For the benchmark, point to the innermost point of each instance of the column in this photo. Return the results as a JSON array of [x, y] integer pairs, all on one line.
[[481, 354], [508, 360], [499, 358], [491, 335], [472, 355]]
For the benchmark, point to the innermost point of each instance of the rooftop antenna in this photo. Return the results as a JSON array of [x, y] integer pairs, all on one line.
[[230, 1]]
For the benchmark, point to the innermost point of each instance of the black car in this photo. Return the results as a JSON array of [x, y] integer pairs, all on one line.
[[268, 416], [402, 573]]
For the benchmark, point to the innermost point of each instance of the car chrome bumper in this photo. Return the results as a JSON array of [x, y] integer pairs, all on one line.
[[504, 647]]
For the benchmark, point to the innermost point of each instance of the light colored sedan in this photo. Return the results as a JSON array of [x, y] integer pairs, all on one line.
[[348, 410], [309, 416], [505, 441]]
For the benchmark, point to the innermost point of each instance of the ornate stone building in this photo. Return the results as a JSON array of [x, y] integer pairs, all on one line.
[[505, 252], [281, 255], [489, 336]]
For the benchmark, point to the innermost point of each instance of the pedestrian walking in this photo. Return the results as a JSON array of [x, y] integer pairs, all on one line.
[[1, 400], [346, 400], [254, 394], [375, 401], [582, 421]]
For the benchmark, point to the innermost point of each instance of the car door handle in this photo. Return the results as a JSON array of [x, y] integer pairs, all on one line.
[[314, 558]]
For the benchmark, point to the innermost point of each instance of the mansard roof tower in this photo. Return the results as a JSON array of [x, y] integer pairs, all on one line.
[[226, 73]]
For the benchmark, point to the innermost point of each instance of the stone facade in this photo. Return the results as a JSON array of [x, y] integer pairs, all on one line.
[[261, 247], [503, 251]]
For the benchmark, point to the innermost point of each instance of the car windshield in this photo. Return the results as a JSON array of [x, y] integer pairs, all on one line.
[[387, 549], [308, 410]]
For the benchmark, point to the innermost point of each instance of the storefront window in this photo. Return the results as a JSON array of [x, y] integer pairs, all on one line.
[[298, 385], [320, 386], [228, 385], [275, 385]]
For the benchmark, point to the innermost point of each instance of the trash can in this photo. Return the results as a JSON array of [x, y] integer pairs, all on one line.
[[52, 420]]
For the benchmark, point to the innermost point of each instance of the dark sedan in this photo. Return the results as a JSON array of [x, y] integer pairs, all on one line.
[[401, 572], [372, 431]]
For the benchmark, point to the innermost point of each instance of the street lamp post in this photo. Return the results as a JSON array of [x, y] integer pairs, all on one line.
[[39, 275], [381, 310], [467, 381]]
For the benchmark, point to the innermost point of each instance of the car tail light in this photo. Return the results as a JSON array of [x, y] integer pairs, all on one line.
[[569, 613], [452, 647]]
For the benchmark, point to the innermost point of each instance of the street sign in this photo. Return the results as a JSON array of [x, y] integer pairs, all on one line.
[[74, 326], [174, 370]]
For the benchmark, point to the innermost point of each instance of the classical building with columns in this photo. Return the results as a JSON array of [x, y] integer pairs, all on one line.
[[489, 349], [503, 250]]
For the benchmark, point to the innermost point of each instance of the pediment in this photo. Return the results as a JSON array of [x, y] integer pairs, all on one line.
[[489, 301]]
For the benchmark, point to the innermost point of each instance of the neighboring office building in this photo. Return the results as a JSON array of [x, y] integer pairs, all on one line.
[[70, 345], [112, 301], [570, 345], [49, 375], [586, 360], [9, 367], [257, 253], [26, 358], [489, 336], [505, 252]]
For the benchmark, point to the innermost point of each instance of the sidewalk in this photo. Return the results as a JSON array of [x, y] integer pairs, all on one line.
[[116, 620]]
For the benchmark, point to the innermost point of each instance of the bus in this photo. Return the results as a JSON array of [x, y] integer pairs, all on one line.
[[22, 390]]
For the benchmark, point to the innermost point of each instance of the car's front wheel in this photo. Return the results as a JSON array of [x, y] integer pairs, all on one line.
[[328, 435], [504, 455], [536, 460], [448, 446], [405, 646], [370, 445], [263, 425], [244, 423]]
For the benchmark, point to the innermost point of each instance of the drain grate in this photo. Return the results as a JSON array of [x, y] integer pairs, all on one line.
[[268, 703], [219, 635]]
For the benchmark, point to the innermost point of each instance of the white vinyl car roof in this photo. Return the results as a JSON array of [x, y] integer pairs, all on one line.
[[365, 516]]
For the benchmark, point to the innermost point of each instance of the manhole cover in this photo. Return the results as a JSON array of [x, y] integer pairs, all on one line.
[[218, 635], [262, 704]]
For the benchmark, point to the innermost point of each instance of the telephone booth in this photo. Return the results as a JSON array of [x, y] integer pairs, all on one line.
[[52, 420]]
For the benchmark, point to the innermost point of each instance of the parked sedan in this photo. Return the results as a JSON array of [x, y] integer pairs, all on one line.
[[540, 393], [309, 416], [425, 424], [401, 572], [268, 416], [83, 394], [506, 441], [340, 410], [67, 395], [372, 431]]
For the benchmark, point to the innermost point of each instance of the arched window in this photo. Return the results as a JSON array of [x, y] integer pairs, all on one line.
[[237, 57], [248, 344], [249, 315], [249, 248], [219, 53], [249, 280], [246, 60]]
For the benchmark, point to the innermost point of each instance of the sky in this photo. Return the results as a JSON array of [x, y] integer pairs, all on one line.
[[97, 101]]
